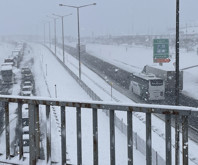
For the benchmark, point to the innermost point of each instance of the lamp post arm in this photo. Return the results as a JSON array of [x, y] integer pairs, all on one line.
[[77, 6], [67, 15], [87, 5], [68, 6], [62, 16]]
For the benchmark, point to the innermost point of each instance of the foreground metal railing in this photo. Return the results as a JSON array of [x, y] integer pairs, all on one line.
[[34, 133]]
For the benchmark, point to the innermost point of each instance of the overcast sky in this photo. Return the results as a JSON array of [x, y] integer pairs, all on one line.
[[115, 17]]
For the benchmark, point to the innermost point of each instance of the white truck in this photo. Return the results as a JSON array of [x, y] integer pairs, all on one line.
[[7, 74]]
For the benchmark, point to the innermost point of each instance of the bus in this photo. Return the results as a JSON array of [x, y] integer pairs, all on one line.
[[147, 86], [167, 74]]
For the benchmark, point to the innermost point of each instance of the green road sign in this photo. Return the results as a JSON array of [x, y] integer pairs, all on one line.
[[160, 50]]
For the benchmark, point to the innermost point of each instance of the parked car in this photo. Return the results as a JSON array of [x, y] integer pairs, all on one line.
[[27, 83], [26, 91], [10, 61], [26, 143], [26, 70], [26, 130]]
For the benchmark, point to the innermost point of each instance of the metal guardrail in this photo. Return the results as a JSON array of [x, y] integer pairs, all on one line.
[[88, 90], [34, 102]]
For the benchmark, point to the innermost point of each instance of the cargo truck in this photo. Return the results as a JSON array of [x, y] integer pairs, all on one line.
[[7, 74]]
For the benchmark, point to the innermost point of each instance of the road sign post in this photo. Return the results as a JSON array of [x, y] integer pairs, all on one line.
[[161, 51]]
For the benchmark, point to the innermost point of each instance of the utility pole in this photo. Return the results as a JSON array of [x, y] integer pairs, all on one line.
[[44, 32], [177, 158]]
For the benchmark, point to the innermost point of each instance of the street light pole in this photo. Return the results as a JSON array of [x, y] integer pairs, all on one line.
[[54, 32], [45, 38], [78, 19], [44, 32], [49, 35], [79, 42], [62, 20], [63, 39], [55, 35]]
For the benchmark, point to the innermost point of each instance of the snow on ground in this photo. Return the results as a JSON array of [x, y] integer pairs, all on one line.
[[68, 89]]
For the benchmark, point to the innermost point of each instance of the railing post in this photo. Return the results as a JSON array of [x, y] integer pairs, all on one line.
[[37, 131], [32, 134], [185, 139], [130, 137], [7, 129], [20, 130], [63, 135], [136, 145], [112, 137], [177, 153], [168, 138], [148, 140], [79, 146], [48, 126], [156, 154], [95, 136]]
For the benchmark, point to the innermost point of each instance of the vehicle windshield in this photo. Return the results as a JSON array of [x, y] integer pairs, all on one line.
[[26, 89], [27, 84]]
